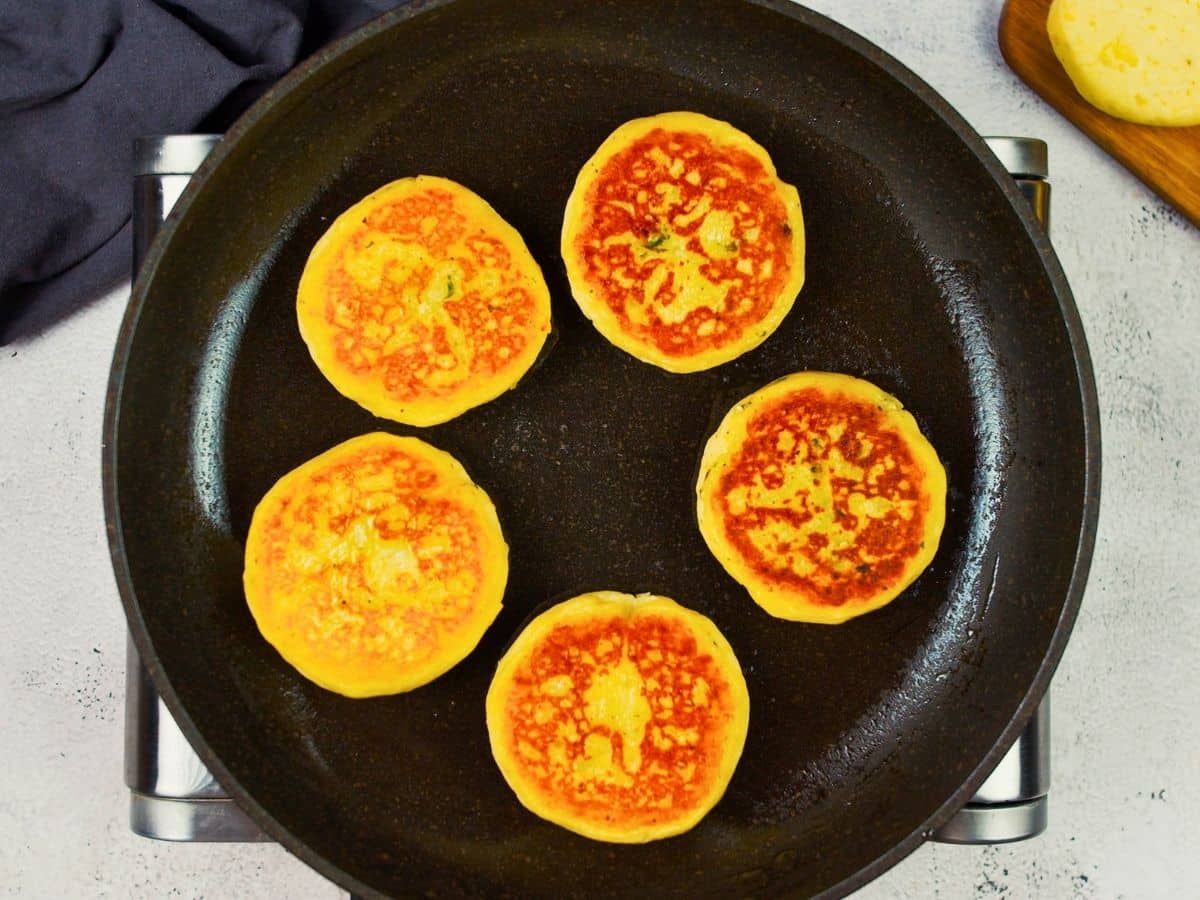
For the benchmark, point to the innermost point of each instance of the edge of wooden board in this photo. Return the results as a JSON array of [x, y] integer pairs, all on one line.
[[1162, 158]]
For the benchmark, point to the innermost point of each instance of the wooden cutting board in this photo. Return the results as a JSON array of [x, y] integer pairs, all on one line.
[[1166, 159]]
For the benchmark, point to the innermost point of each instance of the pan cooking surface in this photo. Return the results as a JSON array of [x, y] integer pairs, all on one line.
[[921, 278]]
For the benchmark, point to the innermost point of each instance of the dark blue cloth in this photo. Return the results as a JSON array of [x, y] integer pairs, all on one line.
[[80, 80]]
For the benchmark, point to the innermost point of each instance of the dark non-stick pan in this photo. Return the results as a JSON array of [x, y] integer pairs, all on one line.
[[926, 275]]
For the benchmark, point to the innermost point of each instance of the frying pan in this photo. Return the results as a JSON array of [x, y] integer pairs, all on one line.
[[926, 275]]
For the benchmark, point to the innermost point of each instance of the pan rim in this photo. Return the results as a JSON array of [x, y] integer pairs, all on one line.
[[293, 83]]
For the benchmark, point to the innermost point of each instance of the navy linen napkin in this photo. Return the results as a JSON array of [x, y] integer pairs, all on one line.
[[79, 81]]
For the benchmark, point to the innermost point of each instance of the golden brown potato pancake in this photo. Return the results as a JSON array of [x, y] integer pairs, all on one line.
[[681, 244], [619, 717], [376, 566], [420, 302], [820, 495]]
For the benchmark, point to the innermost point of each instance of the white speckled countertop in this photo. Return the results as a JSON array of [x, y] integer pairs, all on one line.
[[1125, 803]]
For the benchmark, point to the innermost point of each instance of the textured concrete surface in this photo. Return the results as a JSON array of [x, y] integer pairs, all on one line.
[[1124, 815]]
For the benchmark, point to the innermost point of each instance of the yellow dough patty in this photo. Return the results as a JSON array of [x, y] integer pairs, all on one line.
[[421, 302], [1135, 59], [619, 717], [681, 244], [820, 495], [376, 566]]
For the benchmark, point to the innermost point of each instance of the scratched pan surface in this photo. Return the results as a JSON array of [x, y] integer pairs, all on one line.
[[924, 275]]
